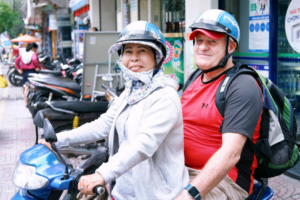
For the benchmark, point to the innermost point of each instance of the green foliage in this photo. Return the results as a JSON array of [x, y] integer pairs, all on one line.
[[10, 18], [7, 17]]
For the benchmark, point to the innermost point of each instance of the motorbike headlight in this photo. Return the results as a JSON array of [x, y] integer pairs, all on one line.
[[25, 177]]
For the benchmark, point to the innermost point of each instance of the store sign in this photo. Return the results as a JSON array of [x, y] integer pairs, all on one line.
[[174, 63], [76, 4], [292, 25], [259, 26], [66, 44], [133, 5], [262, 69], [52, 22], [4, 38]]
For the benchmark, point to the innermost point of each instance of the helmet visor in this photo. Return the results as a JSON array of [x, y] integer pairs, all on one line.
[[117, 46]]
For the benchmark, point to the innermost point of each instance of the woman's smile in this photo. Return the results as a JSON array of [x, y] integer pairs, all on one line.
[[138, 57]]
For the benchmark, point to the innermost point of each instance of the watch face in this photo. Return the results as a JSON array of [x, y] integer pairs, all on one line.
[[193, 191]]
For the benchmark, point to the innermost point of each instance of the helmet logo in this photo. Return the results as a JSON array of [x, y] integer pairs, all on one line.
[[154, 35]]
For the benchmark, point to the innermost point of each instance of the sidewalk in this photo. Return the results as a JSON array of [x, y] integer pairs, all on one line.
[[17, 133]]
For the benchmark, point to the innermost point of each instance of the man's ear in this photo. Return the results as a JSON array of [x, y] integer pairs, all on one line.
[[232, 46]]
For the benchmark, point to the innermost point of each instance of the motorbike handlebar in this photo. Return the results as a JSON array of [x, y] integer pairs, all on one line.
[[99, 190], [109, 90]]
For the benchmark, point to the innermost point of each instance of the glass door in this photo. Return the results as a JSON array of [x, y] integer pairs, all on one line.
[[288, 70]]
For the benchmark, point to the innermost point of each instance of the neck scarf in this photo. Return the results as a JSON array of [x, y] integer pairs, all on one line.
[[139, 85]]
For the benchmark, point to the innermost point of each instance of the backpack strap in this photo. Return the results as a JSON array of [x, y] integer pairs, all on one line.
[[192, 78], [230, 75]]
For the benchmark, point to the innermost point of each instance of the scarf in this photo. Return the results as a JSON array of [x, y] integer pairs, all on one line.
[[139, 85]]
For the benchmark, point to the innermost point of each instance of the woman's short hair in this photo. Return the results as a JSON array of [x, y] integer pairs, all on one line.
[[31, 45]]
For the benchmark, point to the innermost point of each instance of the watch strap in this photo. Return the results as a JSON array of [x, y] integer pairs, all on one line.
[[193, 192]]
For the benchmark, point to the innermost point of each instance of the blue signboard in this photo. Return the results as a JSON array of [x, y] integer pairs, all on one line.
[[263, 69], [6, 43]]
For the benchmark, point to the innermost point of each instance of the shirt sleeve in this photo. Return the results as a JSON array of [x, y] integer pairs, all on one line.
[[243, 106], [17, 62], [36, 61]]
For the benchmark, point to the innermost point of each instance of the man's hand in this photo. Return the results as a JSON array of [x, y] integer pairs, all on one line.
[[20, 71], [37, 69], [88, 182], [43, 141], [183, 196]]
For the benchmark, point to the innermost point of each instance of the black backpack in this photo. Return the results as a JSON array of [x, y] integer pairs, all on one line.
[[276, 150]]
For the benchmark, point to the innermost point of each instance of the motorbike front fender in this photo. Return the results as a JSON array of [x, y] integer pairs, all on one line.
[[23, 194]]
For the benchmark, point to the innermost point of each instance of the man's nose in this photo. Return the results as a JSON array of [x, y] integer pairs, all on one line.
[[203, 46]]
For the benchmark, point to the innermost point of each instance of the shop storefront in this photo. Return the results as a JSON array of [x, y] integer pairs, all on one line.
[[81, 24], [169, 16], [270, 43]]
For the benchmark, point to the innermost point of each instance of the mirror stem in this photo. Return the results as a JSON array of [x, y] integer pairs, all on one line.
[[66, 173], [37, 135]]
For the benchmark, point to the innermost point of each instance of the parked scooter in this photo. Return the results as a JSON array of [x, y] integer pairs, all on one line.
[[53, 69], [43, 88], [43, 174], [67, 115]]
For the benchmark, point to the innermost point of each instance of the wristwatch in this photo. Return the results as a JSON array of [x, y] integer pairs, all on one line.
[[193, 192]]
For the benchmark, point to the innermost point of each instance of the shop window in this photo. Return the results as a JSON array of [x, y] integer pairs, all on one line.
[[168, 15], [173, 12]]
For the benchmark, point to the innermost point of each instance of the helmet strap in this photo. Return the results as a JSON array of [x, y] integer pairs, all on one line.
[[223, 61], [157, 67]]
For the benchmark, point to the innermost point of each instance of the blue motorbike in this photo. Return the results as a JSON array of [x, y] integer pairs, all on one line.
[[43, 174]]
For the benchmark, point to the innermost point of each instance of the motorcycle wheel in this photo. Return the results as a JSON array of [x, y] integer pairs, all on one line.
[[13, 80]]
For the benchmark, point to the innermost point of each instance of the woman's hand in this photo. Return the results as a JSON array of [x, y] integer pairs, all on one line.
[[88, 182], [20, 71], [37, 69], [43, 141]]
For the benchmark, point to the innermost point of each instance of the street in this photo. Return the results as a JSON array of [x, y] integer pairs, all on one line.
[[17, 133]]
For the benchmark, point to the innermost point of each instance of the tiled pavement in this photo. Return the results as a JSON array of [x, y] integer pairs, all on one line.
[[17, 134]]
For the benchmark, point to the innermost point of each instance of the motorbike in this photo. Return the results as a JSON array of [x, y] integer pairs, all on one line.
[[52, 69], [67, 115], [43, 173], [43, 88]]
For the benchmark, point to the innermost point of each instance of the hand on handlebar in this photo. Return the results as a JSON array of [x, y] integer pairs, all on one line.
[[43, 141], [37, 69], [89, 182]]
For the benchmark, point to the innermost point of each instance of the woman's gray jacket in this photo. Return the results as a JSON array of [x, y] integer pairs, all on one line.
[[155, 154]]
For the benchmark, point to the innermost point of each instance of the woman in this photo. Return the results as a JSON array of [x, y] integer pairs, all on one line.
[[29, 62], [144, 126]]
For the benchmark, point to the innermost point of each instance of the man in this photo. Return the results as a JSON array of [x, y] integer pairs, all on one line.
[[220, 163]]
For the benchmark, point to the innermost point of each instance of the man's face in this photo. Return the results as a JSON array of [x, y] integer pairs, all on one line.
[[208, 52]]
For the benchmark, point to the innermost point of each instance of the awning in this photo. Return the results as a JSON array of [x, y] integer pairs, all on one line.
[[59, 3], [26, 38]]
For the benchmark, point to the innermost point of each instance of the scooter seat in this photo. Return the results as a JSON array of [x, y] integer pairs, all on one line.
[[46, 71], [49, 76], [60, 83], [81, 106]]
